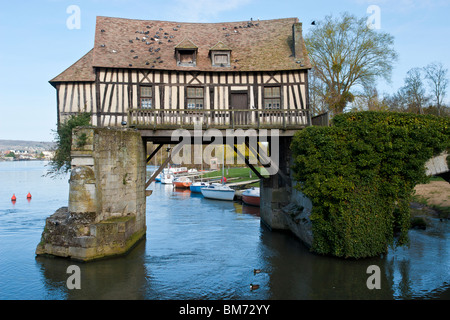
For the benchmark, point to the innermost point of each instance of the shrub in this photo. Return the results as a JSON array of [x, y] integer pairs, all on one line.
[[360, 174], [63, 139]]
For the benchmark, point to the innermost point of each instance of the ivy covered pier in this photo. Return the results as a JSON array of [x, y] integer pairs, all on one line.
[[359, 176]]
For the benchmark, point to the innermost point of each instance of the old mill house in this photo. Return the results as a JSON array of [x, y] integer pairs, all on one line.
[[162, 75]]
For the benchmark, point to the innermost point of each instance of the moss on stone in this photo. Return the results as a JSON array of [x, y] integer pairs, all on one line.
[[118, 219]]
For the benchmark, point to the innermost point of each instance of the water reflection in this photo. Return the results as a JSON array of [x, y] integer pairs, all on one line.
[[199, 248], [246, 209], [111, 279], [422, 269]]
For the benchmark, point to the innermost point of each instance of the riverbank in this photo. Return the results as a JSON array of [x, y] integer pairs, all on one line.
[[432, 199], [237, 175]]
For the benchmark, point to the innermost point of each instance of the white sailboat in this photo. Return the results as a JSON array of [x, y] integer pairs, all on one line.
[[219, 191]]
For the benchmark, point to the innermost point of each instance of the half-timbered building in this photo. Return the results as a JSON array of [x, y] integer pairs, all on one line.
[[152, 77], [163, 75]]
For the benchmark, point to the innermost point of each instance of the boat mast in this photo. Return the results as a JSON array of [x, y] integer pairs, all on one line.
[[201, 168], [223, 165]]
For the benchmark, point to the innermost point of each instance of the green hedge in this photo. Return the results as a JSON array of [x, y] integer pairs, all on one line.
[[360, 174]]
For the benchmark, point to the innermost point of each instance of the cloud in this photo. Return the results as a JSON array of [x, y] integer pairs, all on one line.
[[205, 10]]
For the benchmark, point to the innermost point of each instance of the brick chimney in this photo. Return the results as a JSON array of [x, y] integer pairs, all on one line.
[[297, 39]]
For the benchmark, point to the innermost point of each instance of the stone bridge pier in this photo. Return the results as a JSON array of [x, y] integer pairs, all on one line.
[[107, 201], [283, 207]]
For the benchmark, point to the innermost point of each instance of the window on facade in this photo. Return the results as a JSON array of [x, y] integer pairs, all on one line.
[[195, 98], [146, 97], [272, 98], [221, 59], [186, 57]]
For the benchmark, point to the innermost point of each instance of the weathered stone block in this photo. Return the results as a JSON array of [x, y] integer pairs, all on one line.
[[106, 213], [82, 161]]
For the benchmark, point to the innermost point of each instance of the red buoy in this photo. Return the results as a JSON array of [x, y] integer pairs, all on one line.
[[13, 198], [29, 195]]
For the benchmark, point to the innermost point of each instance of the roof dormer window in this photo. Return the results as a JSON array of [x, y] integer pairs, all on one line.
[[186, 57], [220, 55], [220, 59], [186, 54]]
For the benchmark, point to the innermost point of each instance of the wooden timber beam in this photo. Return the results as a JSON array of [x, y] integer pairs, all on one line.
[[266, 159], [176, 149], [247, 162], [150, 157]]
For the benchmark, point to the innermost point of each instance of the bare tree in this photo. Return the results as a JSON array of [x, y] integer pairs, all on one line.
[[436, 75], [415, 91], [397, 101], [368, 99], [346, 54], [317, 94]]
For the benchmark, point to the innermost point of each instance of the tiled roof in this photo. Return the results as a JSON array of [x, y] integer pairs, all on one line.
[[186, 44], [265, 45], [220, 47], [80, 71]]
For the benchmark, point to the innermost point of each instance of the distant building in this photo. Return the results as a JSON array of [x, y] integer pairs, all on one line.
[[48, 155], [214, 164]]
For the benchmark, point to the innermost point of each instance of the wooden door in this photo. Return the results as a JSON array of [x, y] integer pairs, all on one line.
[[239, 101]]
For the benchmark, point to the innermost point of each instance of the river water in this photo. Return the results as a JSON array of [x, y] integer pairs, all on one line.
[[197, 248]]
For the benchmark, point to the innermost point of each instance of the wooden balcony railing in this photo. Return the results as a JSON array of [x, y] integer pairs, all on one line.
[[220, 119]]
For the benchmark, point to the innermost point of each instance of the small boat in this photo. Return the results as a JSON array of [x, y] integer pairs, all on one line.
[[182, 182], [167, 179], [178, 170], [251, 196], [218, 192], [197, 186], [159, 177]]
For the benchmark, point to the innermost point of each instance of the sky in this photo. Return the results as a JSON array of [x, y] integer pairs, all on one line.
[[39, 39]]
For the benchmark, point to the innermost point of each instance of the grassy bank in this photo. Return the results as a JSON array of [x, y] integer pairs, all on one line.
[[431, 200], [439, 211], [237, 174], [434, 195]]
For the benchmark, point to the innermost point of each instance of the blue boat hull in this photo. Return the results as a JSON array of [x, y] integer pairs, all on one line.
[[196, 189]]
